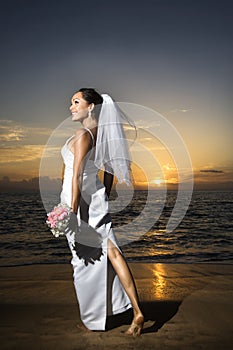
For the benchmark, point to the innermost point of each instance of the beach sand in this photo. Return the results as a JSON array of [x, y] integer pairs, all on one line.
[[187, 306]]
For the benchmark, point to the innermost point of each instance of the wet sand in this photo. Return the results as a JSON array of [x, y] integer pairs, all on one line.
[[186, 306]]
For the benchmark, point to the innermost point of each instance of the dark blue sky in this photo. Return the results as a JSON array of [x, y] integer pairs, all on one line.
[[169, 55], [51, 48]]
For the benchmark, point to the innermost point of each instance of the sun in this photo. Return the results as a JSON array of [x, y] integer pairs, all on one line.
[[157, 182]]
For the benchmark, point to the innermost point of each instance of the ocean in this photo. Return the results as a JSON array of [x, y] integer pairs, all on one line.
[[205, 235]]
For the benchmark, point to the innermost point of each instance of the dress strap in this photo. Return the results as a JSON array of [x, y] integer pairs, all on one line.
[[92, 136], [69, 139]]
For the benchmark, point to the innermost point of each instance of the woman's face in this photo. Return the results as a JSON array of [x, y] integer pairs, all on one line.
[[79, 107]]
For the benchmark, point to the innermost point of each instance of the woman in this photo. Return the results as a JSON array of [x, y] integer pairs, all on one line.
[[103, 282]]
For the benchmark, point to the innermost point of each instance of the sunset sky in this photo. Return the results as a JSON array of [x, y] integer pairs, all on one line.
[[173, 57]]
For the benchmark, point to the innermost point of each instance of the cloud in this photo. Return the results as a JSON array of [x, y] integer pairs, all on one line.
[[45, 184], [214, 171], [12, 133], [23, 147], [143, 124], [179, 110], [20, 154]]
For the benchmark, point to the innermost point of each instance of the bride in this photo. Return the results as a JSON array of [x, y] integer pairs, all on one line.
[[103, 281]]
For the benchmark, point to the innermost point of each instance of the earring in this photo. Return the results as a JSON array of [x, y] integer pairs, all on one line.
[[89, 113]]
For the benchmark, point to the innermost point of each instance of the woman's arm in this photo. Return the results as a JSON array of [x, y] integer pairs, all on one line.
[[108, 180], [82, 146]]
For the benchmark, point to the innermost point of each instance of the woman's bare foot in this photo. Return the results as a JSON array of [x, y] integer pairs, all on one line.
[[83, 327], [136, 326]]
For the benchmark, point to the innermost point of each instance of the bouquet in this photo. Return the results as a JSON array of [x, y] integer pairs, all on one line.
[[87, 241], [58, 219]]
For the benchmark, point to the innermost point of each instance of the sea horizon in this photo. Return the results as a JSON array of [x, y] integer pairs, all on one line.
[[204, 235]]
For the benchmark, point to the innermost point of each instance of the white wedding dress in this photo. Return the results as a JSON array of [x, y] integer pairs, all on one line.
[[98, 288]]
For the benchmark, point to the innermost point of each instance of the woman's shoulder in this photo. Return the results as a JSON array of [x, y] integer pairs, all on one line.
[[80, 132], [83, 135]]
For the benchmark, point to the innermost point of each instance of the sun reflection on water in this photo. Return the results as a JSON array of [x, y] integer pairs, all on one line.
[[159, 281]]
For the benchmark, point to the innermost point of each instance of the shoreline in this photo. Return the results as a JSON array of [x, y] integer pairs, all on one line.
[[186, 306], [129, 261]]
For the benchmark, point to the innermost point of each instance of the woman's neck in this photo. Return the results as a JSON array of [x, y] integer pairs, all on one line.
[[89, 123]]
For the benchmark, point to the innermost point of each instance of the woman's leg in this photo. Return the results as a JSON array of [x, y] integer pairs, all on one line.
[[122, 270]]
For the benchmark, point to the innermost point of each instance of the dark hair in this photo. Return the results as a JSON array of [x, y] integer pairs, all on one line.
[[92, 96]]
